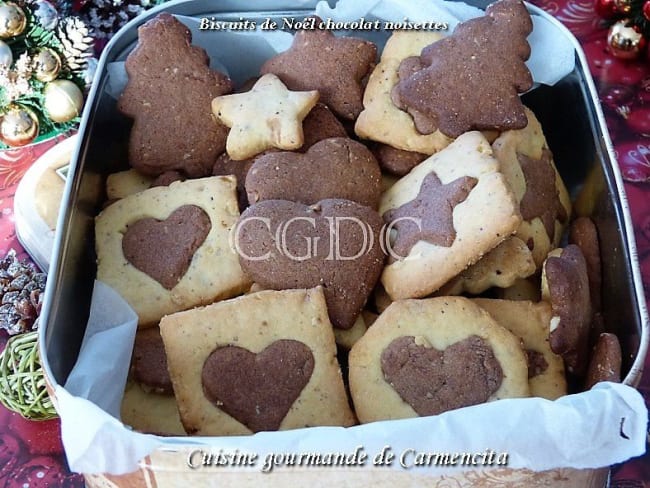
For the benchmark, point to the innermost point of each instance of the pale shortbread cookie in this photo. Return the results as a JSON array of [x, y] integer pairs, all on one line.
[[501, 267], [381, 120], [255, 322], [488, 215], [522, 289], [213, 273], [125, 183], [151, 413], [346, 338], [267, 116], [434, 322], [530, 322], [553, 204]]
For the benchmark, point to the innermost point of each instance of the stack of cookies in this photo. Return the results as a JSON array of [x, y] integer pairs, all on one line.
[[346, 238]]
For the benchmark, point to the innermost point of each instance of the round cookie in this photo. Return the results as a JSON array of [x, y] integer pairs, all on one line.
[[423, 357]]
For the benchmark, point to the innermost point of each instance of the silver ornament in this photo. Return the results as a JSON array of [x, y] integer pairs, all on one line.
[[6, 56], [46, 14]]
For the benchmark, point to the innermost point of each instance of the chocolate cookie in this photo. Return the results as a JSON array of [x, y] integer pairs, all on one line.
[[282, 376], [334, 243], [471, 80], [168, 96], [424, 357], [335, 66], [605, 363], [396, 161], [583, 233], [149, 362], [332, 168]]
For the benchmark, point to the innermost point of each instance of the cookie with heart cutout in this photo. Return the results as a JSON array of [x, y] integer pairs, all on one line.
[[166, 249], [425, 357], [444, 215], [261, 362], [334, 243], [544, 202]]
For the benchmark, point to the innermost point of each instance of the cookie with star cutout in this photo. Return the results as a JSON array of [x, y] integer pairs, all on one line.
[[335, 66], [544, 202], [268, 116], [444, 216]]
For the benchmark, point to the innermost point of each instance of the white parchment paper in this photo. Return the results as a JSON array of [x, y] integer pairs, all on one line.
[[604, 426]]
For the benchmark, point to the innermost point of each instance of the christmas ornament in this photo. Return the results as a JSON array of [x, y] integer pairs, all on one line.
[[646, 10], [47, 64], [46, 14], [21, 291], [605, 8], [18, 127], [22, 383], [77, 43], [63, 100], [623, 6], [6, 56], [624, 41], [12, 20]]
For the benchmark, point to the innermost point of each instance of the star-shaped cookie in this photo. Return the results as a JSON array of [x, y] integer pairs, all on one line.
[[542, 198], [335, 66], [269, 115], [429, 217]]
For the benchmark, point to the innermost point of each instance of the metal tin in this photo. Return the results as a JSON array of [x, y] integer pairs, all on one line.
[[574, 126]]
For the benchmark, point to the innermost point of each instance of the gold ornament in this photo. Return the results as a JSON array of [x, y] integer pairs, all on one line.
[[623, 6], [63, 100], [12, 20], [47, 64], [18, 126], [625, 42]]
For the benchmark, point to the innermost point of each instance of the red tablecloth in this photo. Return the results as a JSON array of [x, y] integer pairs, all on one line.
[[31, 452]]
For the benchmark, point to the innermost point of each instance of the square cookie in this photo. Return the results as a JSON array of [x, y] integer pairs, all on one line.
[[167, 249], [444, 216], [260, 362]]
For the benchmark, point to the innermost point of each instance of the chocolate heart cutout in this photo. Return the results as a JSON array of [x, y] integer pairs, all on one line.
[[335, 244], [164, 249], [257, 389], [332, 168], [432, 381]]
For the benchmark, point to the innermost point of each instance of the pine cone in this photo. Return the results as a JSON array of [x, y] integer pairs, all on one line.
[[106, 17], [76, 41], [21, 292]]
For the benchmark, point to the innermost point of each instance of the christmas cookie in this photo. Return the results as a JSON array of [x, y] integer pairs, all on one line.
[[125, 183], [583, 233], [471, 80], [260, 362], [444, 216], [605, 363], [396, 161], [381, 120], [530, 322], [501, 267], [168, 96], [334, 243], [335, 66], [332, 168], [544, 202], [149, 412], [267, 116], [166, 249], [522, 289], [566, 286], [424, 357]]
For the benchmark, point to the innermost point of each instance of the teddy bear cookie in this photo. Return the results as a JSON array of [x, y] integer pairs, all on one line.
[[425, 357], [470, 80], [149, 404], [166, 249], [527, 164], [287, 245], [335, 66], [444, 216], [168, 96], [260, 362], [530, 322], [380, 119]]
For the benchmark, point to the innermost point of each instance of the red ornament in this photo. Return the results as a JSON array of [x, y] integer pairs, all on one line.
[[607, 69], [606, 8], [646, 10]]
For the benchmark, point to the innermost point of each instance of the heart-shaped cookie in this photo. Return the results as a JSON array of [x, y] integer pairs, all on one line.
[[332, 168], [257, 389], [334, 243], [432, 381], [163, 249]]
